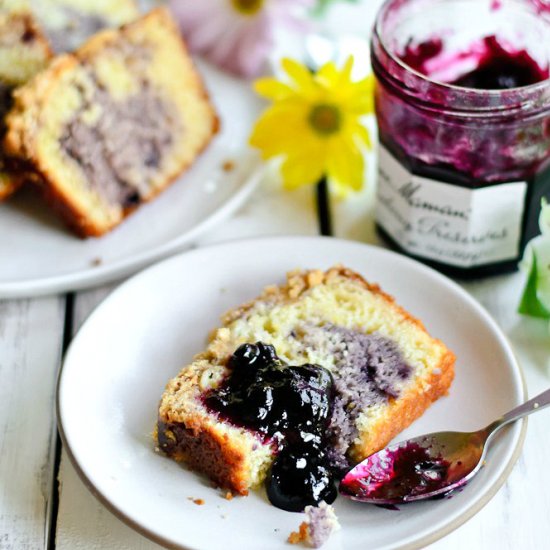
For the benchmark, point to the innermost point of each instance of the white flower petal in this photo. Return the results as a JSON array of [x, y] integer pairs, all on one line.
[[210, 33], [191, 13], [254, 46], [224, 49], [237, 42], [544, 218]]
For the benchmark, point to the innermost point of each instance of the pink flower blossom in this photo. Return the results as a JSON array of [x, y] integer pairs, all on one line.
[[236, 35]]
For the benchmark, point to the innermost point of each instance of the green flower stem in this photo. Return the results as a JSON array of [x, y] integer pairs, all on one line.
[[323, 207]]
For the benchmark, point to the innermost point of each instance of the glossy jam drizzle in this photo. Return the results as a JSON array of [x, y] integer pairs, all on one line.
[[289, 405]]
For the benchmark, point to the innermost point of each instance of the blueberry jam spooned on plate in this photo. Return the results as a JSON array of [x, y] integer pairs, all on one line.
[[289, 405]]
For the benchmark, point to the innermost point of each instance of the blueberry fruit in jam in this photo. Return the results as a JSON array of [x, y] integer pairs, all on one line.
[[300, 476], [290, 404]]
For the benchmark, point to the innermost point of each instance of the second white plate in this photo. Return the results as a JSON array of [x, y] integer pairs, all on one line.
[[140, 337], [38, 255]]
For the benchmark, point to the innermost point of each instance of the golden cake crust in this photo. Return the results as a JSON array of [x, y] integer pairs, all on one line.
[[227, 458], [213, 454]]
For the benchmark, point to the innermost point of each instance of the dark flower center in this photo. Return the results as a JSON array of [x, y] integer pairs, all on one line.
[[247, 7], [325, 119]]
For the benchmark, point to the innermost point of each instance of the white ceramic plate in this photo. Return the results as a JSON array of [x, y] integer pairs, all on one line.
[[38, 255], [119, 363]]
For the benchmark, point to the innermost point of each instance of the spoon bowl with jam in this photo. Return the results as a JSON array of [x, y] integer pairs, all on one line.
[[429, 466]]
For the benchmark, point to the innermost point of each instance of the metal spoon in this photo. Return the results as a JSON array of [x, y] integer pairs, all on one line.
[[428, 466]]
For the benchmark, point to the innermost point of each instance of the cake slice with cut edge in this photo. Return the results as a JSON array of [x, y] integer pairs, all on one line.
[[31, 31], [386, 368], [113, 124]]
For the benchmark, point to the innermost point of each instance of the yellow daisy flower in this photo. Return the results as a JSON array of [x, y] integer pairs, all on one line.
[[315, 123]]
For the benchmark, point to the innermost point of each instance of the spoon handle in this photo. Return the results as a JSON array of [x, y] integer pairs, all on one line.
[[536, 404]]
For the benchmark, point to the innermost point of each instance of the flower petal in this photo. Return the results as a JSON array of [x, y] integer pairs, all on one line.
[[300, 75], [273, 89], [327, 76], [223, 50], [544, 217], [345, 164], [235, 41], [303, 168], [345, 75], [281, 130], [332, 77], [254, 46], [361, 134], [361, 96]]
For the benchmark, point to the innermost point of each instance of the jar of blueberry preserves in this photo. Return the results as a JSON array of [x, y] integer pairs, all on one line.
[[463, 111]]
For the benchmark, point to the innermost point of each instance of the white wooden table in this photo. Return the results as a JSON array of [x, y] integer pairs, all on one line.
[[43, 503]]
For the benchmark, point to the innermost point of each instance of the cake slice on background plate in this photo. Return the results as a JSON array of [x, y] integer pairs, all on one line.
[[111, 125], [230, 415], [31, 31]]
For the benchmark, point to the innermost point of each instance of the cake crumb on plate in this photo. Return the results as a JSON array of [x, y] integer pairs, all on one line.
[[320, 523], [228, 166]]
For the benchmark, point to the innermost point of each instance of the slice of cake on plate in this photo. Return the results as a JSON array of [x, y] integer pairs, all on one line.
[[31, 31], [113, 124], [323, 370]]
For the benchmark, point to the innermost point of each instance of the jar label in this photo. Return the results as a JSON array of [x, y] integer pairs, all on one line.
[[450, 224]]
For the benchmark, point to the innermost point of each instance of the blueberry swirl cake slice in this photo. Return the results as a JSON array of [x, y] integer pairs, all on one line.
[[300, 384], [31, 31], [112, 125]]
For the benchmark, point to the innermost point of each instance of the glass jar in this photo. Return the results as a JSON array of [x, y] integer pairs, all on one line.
[[463, 110]]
